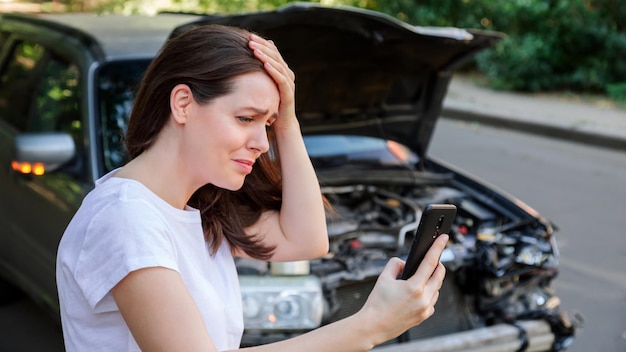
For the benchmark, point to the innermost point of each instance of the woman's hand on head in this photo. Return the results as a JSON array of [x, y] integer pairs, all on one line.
[[277, 68], [396, 305], [298, 229]]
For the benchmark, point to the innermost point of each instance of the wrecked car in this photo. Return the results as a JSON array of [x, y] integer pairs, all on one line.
[[370, 91]]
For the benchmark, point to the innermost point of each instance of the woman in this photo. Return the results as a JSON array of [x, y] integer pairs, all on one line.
[[147, 261]]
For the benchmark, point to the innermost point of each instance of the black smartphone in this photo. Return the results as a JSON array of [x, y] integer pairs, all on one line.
[[436, 219]]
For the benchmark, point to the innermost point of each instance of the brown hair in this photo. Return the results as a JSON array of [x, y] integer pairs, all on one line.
[[207, 59]]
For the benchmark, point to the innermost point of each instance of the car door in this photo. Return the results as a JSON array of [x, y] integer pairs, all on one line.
[[40, 92]]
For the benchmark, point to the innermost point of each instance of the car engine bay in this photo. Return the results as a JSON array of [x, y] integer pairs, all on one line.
[[499, 264]]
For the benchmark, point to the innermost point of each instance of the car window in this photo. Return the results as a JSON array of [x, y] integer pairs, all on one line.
[[117, 84], [56, 101], [40, 92], [17, 82]]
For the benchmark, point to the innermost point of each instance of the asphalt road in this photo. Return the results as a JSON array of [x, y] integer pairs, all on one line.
[[580, 188]]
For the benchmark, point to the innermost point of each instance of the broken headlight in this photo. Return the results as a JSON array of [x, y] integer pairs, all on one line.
[[281, 303]]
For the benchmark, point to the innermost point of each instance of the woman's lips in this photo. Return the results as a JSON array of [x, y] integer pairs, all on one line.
[[245, 165]]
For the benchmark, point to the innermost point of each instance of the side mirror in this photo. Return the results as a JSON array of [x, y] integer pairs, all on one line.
[[38, 153]]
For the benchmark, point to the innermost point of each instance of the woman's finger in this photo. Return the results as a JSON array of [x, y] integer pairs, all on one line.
[[279, 67], [270, 53], [281, 72], [429, 266], [268, 47]]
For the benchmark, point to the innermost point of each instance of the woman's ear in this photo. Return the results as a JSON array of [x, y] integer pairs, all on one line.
[[181, 98]]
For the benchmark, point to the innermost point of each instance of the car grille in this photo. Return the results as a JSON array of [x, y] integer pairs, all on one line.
[[351, 297]]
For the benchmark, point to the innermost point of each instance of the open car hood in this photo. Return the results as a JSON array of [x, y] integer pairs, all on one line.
[[362, 72]]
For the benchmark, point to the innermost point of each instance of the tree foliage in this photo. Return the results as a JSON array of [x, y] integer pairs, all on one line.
[[577, 45]]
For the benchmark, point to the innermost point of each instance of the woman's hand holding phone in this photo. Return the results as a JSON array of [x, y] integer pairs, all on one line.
[[437, 219], [395, 306]]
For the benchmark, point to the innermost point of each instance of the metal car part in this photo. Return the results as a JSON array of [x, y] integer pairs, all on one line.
[[281, 303], [51, 149]]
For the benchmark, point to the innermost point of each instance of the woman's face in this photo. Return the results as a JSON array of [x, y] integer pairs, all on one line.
[[224, 138]]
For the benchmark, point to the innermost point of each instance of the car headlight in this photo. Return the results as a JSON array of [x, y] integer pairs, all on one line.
[[281, 303]]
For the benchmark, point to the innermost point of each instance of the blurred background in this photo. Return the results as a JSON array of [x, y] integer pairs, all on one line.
[[574, 47]]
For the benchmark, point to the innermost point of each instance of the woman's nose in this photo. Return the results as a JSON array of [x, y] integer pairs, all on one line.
[[259, 140]]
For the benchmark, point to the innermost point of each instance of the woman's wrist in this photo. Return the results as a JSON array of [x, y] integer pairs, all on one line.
[[287, 127], [367, 328]]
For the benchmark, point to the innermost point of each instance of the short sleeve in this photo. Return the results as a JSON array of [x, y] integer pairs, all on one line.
[[122, 237]]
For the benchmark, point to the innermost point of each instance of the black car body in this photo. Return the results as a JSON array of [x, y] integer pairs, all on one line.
[[369, 92]]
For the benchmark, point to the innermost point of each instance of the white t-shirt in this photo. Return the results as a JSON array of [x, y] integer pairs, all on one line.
[[121, 227]]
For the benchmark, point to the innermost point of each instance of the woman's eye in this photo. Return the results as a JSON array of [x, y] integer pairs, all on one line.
[[245, 119]]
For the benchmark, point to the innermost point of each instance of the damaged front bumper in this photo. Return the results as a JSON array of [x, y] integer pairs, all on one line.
[[529, 335], [524, 318]]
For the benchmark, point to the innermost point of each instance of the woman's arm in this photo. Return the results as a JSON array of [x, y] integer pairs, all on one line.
[[162, 316], [298, 230], [160, 312]]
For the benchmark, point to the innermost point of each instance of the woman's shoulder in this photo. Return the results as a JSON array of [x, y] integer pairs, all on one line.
[[116, 216], [133, 196], [116, 196], [112, 207]]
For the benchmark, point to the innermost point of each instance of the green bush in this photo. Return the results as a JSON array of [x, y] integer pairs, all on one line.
[[575, 45], [570, 46], [617, 92], [518, 63]]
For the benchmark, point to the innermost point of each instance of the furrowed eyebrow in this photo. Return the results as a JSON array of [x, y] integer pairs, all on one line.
[[257, 110], [261, 112]]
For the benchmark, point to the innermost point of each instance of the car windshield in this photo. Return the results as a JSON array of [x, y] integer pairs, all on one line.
[[117, 83], [327, 151]]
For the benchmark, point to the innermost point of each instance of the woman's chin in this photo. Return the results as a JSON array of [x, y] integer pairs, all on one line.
[[231, 186]]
